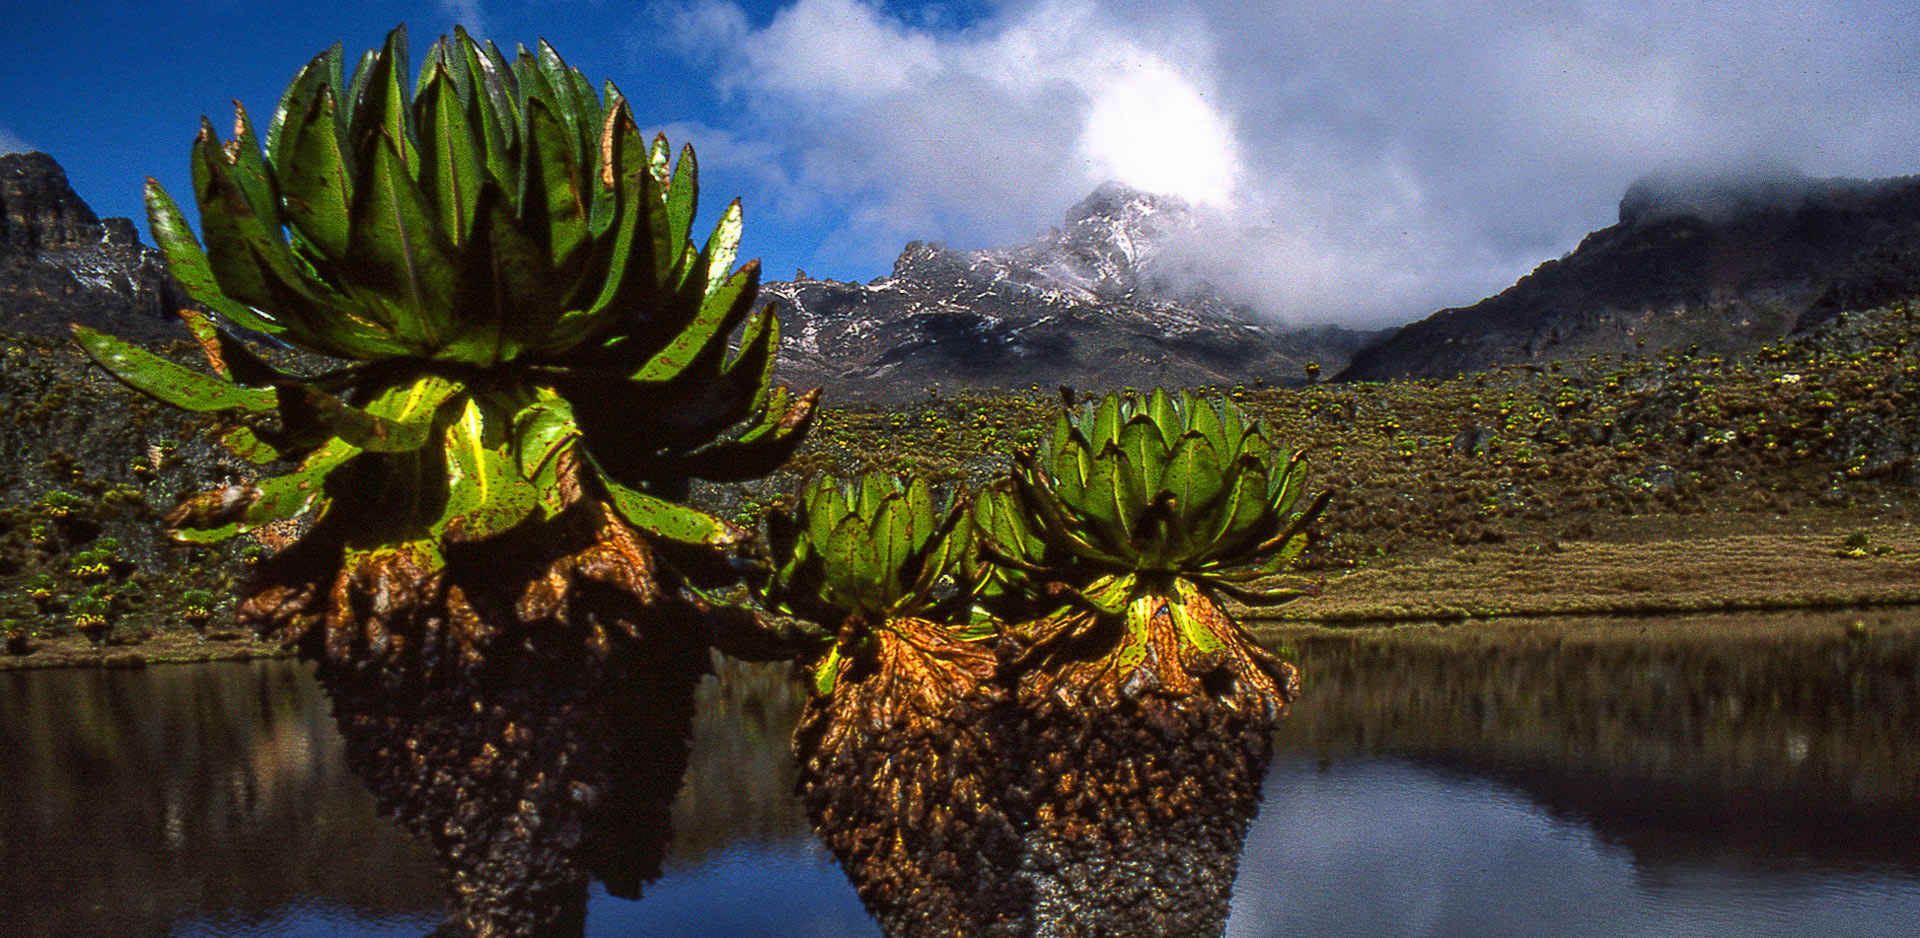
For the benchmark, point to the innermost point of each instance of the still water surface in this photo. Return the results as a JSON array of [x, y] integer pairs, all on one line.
[[1723, 777]]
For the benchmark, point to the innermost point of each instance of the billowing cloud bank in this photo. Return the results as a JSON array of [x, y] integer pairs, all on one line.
[[1361, 162]]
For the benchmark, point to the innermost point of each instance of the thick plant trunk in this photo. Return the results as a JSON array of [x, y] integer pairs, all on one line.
[[526, 774], [1145, 773], [904, 773], [524, 709], [1077, 792], [1140, 816]]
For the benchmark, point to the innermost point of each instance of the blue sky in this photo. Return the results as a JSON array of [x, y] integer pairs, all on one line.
[[1363, 162]]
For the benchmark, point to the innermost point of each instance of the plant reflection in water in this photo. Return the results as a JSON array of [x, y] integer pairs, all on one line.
[[1759, 777]]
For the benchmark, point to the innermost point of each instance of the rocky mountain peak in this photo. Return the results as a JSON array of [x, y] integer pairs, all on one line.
[[1116, 205], [39, 209], [1718, 261], [1718, 198], [60, 263], [1106, 250], [1091, 304], [1112, 242]]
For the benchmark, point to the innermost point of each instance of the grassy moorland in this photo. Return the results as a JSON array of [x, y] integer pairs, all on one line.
[[1645, 483], [1636, 484]]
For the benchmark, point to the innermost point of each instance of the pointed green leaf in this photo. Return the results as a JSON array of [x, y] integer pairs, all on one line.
[[354, 103], [851, 569], [396, 250], [316, 186], [189, 265], [249, 169], [246, 444], [1146, 452], [723, 245], [683, 196], [163, 380], [1134, 649], [541, 430], [1106, 424], [893, 534], [1160, 408], [665, 251], [1206, 421], [556, 190], [278, 498], [1194, 475], [823, 506], [672, 521], [450, 156], [490, 107], [299, 96], [874, 489], [827, 672], [1284, 486], [1251, 520], [951, 542], [1245, 499], [383, 106], [294, 494], [1124, 497], [1234, 425], [486, 491], [1111, 593]]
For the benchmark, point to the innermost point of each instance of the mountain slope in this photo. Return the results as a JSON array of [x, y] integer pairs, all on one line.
[[60, 263], [1725, 264], [1097, 303]]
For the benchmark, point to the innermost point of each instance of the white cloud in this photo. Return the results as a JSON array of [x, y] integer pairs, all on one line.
[[11, 143], [469, 13], [1151, 128], [978, 135], [1366, 161]]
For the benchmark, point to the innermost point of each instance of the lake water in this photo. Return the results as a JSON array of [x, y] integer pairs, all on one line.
[[1712, 777]]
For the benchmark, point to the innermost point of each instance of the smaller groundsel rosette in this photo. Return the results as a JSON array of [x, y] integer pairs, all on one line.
[[1137, 510], [874, 554]]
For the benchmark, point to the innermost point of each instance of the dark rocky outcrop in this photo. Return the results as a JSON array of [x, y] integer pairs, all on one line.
[[1885, 274], [60, 264], [1722, 263], [1099, 303]]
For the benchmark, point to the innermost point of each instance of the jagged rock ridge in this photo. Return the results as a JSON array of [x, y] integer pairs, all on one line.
[[1724, 263], [1097, 303], [60, 263]]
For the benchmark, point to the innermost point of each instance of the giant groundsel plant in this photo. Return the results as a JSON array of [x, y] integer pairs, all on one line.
[[1138, 509], [901, 766], [1145, 710], [528, 361], [503, 265], [871, 556]]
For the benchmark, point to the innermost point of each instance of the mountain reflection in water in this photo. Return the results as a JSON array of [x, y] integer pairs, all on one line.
[[1710, 776]]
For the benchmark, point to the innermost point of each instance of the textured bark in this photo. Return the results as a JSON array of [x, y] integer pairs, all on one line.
[[904, 770], [1141, 813], [525, 708], [1144, 780], [1055, 793]]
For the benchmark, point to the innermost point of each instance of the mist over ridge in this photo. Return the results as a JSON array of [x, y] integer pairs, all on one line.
[[1364, 165]]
